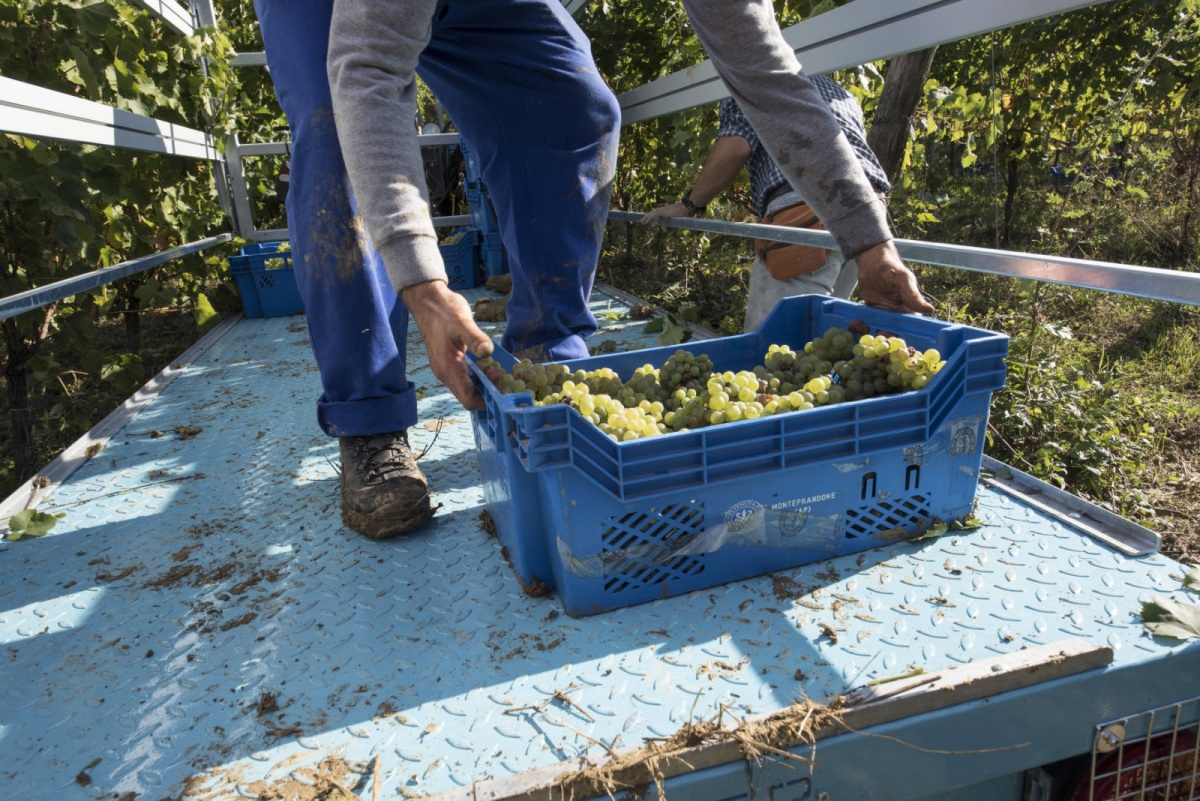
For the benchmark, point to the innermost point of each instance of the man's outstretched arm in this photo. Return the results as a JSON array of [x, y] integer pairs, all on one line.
[[724, 162]]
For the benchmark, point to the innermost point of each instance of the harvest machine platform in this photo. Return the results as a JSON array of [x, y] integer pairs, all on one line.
[[201, 625]]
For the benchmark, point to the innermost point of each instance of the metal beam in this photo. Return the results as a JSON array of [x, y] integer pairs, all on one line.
[[29, 110], [1154, 283], [254, 59], [171, 13], [243, 214], [31, 299], [854, 34]]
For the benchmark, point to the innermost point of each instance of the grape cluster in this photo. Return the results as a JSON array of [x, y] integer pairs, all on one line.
[[685, 393], [881, 365]]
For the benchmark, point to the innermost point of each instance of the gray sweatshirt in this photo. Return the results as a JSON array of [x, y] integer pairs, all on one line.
[[374, 46], [790, 117]]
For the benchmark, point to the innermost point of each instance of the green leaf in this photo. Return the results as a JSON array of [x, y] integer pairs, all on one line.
[[672, 334], [1004, 473], [689, 312], [934, 531], [146, 292], [32, 523], [611, 315], [655, 325], [1191, 579], [1172, 620], [204, 314]]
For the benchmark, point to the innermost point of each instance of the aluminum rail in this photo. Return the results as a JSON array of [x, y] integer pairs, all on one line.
[[29, 110], [31, 299], [255, 58], [170, 12], [1153, 283], [854, 34]]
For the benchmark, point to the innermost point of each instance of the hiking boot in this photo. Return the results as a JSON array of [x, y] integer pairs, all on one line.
[[384, 493]]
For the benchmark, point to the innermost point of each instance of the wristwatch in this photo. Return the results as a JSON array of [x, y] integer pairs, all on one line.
[[692, 208]]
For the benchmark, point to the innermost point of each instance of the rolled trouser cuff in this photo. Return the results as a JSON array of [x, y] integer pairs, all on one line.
[[361, 418]]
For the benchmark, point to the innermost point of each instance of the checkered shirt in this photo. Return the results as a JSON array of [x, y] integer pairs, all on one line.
[[765, 175]]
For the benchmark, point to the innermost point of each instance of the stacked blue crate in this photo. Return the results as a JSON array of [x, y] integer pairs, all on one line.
[[461, 257], [495, 259]]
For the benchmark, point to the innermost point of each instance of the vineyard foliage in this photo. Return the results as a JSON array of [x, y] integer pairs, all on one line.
[[1077, 135]]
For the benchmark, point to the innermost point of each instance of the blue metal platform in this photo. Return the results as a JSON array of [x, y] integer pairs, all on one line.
[[201, 625]]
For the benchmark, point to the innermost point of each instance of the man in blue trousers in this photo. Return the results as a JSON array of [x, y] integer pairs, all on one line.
[[518, 80]]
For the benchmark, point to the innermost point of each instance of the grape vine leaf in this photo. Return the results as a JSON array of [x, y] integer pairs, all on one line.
[[940, 527], [672, 334], [936, 530], [204, 313], [32, 523], [655, 326], [611, 314], [1191, 579], [1171, 620]]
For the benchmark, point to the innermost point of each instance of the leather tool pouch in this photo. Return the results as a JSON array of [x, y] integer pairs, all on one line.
[[785, 261]]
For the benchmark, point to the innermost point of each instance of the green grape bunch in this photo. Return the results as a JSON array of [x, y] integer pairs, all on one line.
[[685, 393]]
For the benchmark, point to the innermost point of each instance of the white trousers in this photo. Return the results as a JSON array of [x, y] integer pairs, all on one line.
[[837, 279]]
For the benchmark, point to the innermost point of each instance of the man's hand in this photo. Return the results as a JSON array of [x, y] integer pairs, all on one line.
[[884, 281], [670, 210], [448, 328]]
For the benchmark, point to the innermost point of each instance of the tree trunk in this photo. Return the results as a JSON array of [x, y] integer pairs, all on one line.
[[1011, 183], [1186, 244], [902, 89], [133, 324]]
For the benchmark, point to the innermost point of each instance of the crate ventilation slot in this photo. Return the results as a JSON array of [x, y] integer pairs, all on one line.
[[906, 513], [638, 546], [266, 281]]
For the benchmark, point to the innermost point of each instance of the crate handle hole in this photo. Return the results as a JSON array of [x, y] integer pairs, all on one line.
[[868, 486], [912, 477]]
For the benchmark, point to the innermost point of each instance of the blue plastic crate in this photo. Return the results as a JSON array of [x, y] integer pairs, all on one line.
[[266, 291], [482, 216], [495, 257], [474, 175], [462, 259], [610, 524]]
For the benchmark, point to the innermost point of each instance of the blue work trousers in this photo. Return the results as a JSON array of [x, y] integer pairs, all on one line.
[[518, 80]]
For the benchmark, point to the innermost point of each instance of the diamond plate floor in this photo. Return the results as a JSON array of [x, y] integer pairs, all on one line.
[[201, 625]]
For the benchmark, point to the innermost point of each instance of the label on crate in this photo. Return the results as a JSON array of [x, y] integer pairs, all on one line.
[[744, 517], [749, 523]]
